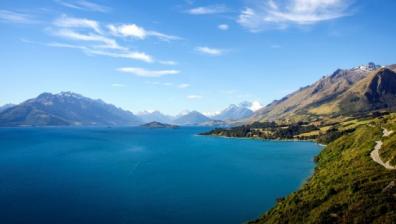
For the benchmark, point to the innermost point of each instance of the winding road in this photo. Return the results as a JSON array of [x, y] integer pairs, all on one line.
[[375, 153]]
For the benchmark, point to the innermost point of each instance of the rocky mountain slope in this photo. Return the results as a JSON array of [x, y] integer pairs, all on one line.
[[343, 92]]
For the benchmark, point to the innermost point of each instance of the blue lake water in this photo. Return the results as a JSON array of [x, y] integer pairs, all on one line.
[[138, 175]]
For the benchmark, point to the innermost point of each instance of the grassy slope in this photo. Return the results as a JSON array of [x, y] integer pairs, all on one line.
[[347, 186], [388, 150]]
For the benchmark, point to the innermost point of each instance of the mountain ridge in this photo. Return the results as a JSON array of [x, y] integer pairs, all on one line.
[[65, 109], [319, 98]]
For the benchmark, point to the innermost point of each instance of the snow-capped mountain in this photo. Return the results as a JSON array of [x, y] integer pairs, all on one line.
[[238, 112], [371, 66]]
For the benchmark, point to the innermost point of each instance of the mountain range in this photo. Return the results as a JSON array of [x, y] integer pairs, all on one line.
[[6, 106], [352, 113], [344, 92], [147, 117], [67, 108], [64, 109], [236, 112]]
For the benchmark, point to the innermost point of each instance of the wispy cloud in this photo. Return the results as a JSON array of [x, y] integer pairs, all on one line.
[[223, 27], [299, 12], [210, 51], [90, 38], [73, 35], [205, 10], [168, 62], [194, 97], [183, 86], [147, 73], [137, 32], [135, 55], [84, 5], [71, 22], [16, 17], [127, 54]]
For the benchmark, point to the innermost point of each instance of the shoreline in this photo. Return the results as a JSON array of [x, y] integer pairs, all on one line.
[[265, 139]]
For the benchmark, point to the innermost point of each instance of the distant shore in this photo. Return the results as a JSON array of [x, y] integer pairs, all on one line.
[[265, 139]]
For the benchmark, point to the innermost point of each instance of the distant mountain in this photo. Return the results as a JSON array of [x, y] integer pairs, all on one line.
[[156, 124], [235, 112], [65, 108], [363, 88], [191, 118], [6, 106], [147, 116]]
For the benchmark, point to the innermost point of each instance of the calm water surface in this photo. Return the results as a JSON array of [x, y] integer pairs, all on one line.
[[138, 175]]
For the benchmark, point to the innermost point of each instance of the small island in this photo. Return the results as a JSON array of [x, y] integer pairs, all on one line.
[[156, 124]]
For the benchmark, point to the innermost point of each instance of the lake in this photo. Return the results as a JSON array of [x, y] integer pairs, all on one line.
[[140, 175]]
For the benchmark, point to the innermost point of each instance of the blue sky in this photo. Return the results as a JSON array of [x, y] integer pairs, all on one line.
[[177, 55]]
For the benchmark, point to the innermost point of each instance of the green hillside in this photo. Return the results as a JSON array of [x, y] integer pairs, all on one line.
[[347, 185]]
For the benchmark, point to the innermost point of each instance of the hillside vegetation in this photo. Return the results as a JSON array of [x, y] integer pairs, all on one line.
[[352, 112], [347, 185]]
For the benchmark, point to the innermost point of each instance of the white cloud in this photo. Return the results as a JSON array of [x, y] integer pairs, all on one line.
[[84, 5], [117, 85], [147, 73], [256, 105], [71, 22], [223, 27], [96, 42], [140, 56], [130, 30], [204, 10], [162, 36], [135, 55], [73, 35], [210, 51], [300, 12], [137, 32], [183, 85], [15, 17], [194, 97], [168, 62]]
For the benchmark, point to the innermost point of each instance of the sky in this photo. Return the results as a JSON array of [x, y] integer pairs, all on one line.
[[188, 54]]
